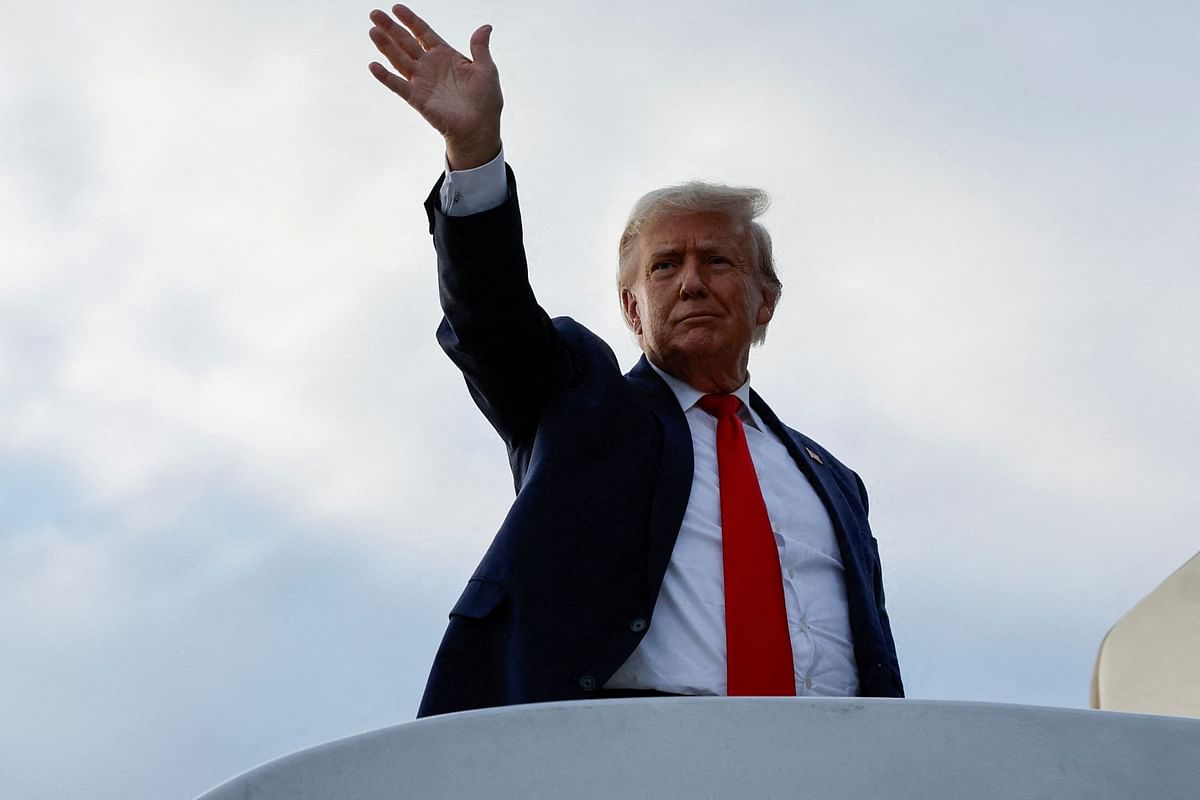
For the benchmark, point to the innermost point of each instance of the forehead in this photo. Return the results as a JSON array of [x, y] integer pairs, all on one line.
[[702, 230]]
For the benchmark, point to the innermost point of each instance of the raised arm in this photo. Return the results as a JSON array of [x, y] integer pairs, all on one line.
[[510, 352], [459, 96]]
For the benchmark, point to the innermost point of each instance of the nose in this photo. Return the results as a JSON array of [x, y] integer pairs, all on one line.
[[691, 279]]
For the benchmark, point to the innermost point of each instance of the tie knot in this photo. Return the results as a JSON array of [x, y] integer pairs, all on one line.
[[720, 405]]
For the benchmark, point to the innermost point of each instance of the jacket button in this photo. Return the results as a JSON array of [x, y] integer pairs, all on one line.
[[638, 625], [587, 683]]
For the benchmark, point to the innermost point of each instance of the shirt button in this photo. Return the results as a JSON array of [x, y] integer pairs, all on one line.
[[587, 683], [638, 625], [808, 683]]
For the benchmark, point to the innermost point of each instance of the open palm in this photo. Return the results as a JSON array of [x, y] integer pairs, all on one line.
[[459, 96]]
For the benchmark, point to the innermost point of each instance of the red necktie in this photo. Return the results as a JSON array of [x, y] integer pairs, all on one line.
[[757, 642]]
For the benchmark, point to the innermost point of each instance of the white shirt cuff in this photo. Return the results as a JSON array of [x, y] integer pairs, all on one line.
[[470, 191]]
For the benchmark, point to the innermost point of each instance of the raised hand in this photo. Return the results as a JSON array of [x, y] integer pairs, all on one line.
[[459, 96]]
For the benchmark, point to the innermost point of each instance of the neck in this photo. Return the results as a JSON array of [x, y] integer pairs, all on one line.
[[709, 381]]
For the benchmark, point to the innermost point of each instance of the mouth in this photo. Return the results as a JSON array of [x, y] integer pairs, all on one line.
[[698, 316]]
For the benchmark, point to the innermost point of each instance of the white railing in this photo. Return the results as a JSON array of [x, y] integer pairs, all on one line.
[[699, 747]]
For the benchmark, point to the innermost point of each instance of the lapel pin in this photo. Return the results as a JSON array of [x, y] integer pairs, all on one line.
[[813, 455]]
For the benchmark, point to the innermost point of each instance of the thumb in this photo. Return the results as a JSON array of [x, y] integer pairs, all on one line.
[[479, 45]]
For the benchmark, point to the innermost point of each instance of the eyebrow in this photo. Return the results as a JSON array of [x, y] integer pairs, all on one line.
[[707, 246]]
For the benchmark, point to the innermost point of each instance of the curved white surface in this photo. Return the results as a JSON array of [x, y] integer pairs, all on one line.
[[698, 747], [1150, 661]]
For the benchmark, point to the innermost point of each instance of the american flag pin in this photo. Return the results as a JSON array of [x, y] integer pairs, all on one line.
[[813, 455]]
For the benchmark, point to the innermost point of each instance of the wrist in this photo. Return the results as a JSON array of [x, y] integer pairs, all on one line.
[[469, 154]]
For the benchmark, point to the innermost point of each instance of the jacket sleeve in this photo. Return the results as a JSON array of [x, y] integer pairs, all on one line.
[[493, 329]]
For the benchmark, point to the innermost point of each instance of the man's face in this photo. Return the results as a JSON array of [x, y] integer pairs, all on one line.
[[696, 299]]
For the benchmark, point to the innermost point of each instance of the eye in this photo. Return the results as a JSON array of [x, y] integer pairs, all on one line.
[[661, 265]]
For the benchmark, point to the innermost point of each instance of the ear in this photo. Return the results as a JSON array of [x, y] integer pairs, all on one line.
[[767, 309], [630, 307]]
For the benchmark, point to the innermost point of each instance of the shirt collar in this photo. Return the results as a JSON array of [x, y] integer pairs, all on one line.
[[688, 396]]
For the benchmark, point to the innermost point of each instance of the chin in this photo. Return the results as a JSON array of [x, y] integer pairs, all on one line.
[[695, 350]]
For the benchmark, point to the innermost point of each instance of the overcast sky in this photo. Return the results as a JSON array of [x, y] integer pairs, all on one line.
[[240, 486]]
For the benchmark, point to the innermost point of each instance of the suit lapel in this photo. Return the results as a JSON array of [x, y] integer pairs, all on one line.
[[674, 485], [820, 475]]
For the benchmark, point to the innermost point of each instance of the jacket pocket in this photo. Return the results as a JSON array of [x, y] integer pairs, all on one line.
[[479, 599]]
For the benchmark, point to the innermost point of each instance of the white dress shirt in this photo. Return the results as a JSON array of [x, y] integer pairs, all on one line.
[[683, 651]]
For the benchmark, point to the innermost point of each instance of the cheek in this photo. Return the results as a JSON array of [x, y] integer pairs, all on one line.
[[651, 307]]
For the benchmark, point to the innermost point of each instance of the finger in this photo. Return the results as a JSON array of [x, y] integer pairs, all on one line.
[[403, 39], [387, 46], [426, 35], [393, 82], [480, 40]]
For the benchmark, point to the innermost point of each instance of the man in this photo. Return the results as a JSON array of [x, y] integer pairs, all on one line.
[[669, 535]]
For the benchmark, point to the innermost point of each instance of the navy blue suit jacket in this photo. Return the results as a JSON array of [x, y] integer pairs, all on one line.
[[602, 464]]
